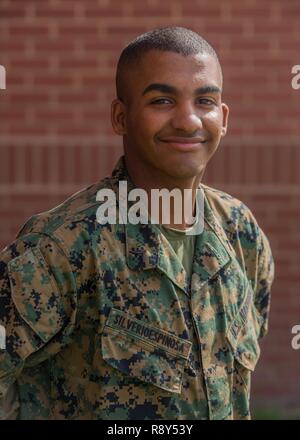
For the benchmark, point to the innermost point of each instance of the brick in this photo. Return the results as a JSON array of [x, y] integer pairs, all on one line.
[[29, 63], [12, 114], [13, 11], [98, 80], [223, 28], [289, 44], [77, 131], [99, 11], [266, 27], [78, 30], [290, 9], [102, 45], [238, 12], [53, 80], [79, 63], [246, 45], [12, 46], [27, 30], [27, 130], [76, 97], [209, 12], [55, 46], [159, 10], [28, 98], [54, 115], [126, 30], [46, 11]]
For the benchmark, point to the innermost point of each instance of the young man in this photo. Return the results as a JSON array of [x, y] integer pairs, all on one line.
[[140, 320]]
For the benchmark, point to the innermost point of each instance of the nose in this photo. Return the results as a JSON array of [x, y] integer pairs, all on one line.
[[186, 119]]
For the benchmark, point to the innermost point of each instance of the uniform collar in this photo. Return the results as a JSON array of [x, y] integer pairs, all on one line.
[[147, 248]]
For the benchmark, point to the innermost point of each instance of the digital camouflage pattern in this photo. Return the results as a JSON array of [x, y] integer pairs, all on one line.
[[101, 324]]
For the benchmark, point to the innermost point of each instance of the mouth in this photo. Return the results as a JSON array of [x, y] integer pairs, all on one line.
[[184, 143]]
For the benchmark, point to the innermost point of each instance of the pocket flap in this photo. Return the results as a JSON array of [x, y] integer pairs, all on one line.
[[144, 352]]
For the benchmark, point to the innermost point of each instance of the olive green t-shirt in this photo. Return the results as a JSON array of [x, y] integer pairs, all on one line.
[[183, 245]]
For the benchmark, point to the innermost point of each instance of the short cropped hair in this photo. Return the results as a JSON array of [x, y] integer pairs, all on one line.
[[173, 39]]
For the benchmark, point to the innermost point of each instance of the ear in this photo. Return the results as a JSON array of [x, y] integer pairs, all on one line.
[[225, 111], [118, 113]]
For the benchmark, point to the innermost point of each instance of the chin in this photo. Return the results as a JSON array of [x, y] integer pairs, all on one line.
[[185, 171]]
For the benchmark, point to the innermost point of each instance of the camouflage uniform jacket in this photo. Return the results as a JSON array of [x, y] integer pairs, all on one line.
[[101, 324]]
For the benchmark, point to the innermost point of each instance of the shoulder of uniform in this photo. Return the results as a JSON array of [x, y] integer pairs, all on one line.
[[231, 212], [75, 212], [224, 200]]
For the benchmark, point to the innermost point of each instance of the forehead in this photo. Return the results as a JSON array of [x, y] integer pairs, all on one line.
[[181, 71]]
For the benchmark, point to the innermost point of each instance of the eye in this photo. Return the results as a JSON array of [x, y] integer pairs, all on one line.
[[205, 101], [161, 101]]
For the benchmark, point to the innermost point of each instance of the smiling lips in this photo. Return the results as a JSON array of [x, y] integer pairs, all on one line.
[[184, 143]]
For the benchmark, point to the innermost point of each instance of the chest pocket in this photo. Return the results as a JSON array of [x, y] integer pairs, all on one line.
[[144, 352]]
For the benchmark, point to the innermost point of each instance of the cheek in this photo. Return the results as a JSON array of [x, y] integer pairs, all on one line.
[[213, 121], [149, 124]]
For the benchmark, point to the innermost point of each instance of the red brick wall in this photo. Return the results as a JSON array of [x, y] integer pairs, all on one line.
[[55, 134]]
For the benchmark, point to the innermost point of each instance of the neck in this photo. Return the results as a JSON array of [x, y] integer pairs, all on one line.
[[180, 206]]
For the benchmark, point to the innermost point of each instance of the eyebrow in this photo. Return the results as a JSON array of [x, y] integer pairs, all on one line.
[[166, 88]]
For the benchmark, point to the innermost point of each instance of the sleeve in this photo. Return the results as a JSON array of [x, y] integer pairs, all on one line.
[[257, 260], [37, 309], [262, 282]]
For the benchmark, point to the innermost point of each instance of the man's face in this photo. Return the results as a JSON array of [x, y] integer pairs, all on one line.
[[172, 118]]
